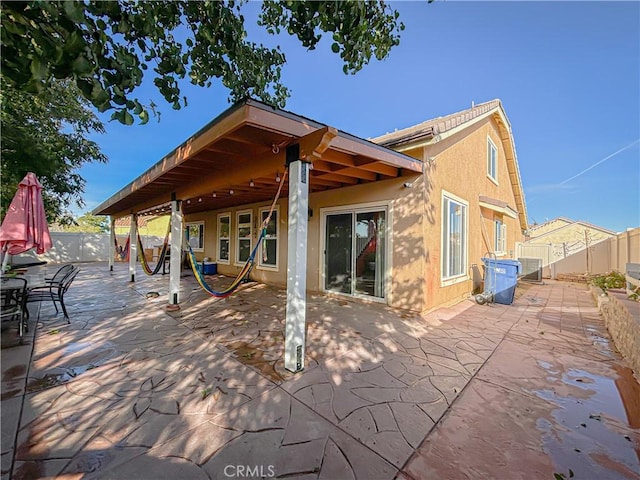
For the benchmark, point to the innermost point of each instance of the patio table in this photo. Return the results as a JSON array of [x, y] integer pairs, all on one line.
[[10, 283], [34, 278], [13, 304]]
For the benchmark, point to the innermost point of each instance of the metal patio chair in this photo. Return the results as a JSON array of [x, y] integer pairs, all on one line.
[[55, 289], [59, 275]]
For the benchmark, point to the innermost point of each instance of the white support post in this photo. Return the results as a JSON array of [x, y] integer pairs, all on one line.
[[133, 247], [176, 252], [295, 324], [112, 242]]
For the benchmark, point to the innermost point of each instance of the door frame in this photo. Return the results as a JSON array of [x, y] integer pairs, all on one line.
[[356, 208]]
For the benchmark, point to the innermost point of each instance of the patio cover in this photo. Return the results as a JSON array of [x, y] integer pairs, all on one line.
[[243, 150]]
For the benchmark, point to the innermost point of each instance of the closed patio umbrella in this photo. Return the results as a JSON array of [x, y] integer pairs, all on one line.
[[25, 225]]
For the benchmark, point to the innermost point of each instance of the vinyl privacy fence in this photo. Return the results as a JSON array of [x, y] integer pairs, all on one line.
[[610, 254], [72, 247]]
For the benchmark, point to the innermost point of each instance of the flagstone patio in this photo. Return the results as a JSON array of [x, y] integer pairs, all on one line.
[[128, 390]]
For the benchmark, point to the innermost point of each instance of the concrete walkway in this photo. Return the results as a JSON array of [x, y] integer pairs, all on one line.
[[129, 391]]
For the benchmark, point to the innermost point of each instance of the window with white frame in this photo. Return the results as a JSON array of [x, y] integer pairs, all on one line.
[[269, 256], [224, 231], [195, 232], [454, 238], [244, 229], [492, 160], [500, 236]]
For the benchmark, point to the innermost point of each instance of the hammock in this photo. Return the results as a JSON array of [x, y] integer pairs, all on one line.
[[248, 266], [244, 273], [122, 252], [163, 253]]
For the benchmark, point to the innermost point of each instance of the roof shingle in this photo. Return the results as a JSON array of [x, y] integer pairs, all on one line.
[[435, 126]]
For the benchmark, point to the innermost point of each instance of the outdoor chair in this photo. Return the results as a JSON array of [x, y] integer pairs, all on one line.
[[53, 281], [54, 290], [60, 274], [13, 295]]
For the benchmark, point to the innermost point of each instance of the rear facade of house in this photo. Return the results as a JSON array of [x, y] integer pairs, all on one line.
[[411, 238], [473, 199]]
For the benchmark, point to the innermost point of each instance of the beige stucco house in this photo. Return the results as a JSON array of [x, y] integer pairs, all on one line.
[[148, 225], [402, 219], [470, 166]]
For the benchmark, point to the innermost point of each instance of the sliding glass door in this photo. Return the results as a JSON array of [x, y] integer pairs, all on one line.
[[355, 252]]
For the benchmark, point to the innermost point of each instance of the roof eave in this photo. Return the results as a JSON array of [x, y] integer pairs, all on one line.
[[254, 113]]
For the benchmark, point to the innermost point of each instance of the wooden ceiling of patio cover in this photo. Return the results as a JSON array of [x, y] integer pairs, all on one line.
[[243, 151]]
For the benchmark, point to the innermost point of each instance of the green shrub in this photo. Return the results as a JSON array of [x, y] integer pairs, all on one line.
[[609, 280]]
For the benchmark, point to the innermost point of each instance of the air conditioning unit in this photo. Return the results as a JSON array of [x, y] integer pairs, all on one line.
[[531, 269]]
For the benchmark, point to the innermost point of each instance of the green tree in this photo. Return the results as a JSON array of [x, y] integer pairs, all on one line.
[[105, 47], [46, 134], [88, 223]]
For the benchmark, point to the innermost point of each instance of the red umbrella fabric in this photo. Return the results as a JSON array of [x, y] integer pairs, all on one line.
[[25, 225]]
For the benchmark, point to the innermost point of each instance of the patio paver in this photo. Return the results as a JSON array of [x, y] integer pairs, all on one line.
[[131, 391]]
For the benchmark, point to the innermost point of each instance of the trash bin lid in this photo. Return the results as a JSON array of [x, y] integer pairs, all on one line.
[[512, 263], [515, 263]]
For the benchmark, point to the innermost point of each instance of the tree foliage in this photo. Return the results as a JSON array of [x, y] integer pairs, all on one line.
[[88, 223], [46, 134], [105, 47]]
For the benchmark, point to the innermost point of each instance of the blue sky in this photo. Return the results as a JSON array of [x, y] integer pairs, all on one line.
[[568, 74]]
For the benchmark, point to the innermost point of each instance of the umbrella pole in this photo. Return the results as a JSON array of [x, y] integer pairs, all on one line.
[[5, 259]]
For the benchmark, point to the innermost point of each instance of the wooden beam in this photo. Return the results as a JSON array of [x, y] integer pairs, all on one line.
[[193, 145], [258, 137], [233, 147], [262, 166], [339, 158], [328, 167], [366, 149], [314, 144], [356, 173], [316, 180], [336, 178], [376, 167]]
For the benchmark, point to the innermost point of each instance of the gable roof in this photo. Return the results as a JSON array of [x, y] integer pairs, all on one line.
[[436, 126], [548, 223], [567, 223], [439, 128]]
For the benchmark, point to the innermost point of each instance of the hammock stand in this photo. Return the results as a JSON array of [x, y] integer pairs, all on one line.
[[248, 266], [163, 253], [124, 252]]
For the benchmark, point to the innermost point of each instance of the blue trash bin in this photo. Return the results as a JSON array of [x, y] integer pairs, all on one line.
[[501, 278], [210, 268]]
